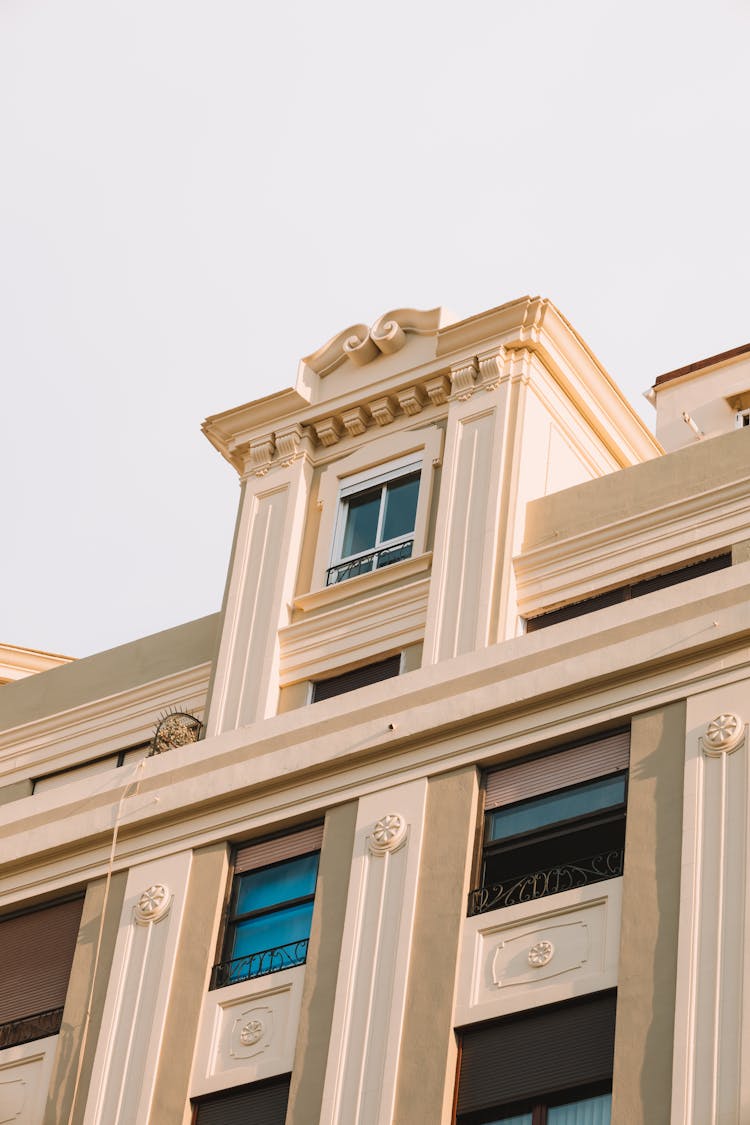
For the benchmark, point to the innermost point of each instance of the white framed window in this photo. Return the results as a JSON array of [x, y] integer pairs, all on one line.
[[375, 520], [374, 507]]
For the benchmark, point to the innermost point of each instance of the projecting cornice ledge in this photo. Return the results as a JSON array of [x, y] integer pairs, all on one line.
[[474, 709]]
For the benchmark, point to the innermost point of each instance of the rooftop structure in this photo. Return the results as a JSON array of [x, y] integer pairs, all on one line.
[[444, 817]]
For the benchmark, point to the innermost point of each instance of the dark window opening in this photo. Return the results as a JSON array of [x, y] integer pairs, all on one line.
[[631, 590], [545, 1066], [356, 678], [262, 1103], [36, 953], [566, 831]]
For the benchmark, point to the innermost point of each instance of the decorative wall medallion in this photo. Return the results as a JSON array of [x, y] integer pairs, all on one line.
[[723, 734], [388, 834], [153, 904], [549, 950], [541, 954], [251, 1032]]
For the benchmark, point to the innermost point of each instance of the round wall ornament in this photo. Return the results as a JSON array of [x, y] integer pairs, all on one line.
[[541, 954], [388, 834], [153, 904], [251, 1032], [723, 734]]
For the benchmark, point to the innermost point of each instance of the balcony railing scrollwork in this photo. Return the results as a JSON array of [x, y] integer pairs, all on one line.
[[259, 964], [28, 1028], [373, 560], [550, 881]]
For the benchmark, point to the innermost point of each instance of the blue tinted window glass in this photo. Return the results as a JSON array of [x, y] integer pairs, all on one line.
[[361, 529], [400, 507], [590, 1111], [516, 1119], [282, 927], [531, 815], [272, 885]]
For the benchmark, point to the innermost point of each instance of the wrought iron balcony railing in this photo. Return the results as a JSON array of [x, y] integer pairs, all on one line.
[[25, 1030], [259, 964], [374, 560], [550, 881]]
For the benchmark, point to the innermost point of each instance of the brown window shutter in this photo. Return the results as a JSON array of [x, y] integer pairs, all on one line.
[[356, 678], [36, 954], [539, 1052], [262, 1103], [252, 856], [579, 763]]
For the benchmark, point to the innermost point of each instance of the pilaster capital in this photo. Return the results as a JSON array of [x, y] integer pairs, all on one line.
[[290, 444], [463, 380], [258, 455], [491, 369]]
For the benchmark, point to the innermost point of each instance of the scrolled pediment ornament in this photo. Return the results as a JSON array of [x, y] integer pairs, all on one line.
[[724, 734], [362, 345]]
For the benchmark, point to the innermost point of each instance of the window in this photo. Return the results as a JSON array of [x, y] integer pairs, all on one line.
[[36, 954], [88, 769], [263, 1103], [632, 590], [553, 823], [375, 521], [356, 678], [547, 1066], [742, 419], [271, 905]]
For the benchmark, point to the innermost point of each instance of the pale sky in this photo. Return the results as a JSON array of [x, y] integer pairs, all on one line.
[[194, 194]]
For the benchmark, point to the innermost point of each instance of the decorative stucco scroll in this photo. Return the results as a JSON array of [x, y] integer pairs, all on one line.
[[723, 734], [362, 344]]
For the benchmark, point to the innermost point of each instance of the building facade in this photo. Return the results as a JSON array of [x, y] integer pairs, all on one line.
[[444, 817]]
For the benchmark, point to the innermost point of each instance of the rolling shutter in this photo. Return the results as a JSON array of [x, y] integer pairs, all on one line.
[[358, 677], [606, 755], [262, 1103], [252, 856], [36, 954], [540, 1052]]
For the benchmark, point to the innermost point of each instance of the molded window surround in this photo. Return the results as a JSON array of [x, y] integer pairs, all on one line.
[[382, 509], [271, 905], [554, 823], [375, 520]]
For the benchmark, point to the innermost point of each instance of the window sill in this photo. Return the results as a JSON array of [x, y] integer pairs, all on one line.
[[363, 583]]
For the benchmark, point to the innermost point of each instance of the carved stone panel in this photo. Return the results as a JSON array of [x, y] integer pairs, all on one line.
[[248, 1031], [539, 952]]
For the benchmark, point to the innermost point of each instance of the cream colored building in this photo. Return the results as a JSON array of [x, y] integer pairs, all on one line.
[[465, 835]]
